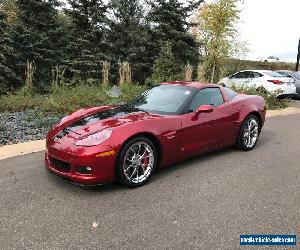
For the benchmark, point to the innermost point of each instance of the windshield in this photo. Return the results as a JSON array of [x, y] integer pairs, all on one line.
[[296, 75], [272, 73], [163, 99]]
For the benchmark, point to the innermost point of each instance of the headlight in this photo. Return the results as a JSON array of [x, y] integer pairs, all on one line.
[[94, 139]]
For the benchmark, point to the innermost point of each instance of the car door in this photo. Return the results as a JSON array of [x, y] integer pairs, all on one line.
[[257, 79], [248, 78], [238, 79], [210, 130]]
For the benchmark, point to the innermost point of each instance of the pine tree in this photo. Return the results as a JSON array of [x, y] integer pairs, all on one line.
[[169, 19], [165, 67], [35, 39], [86, 48], [8, 77], [129, 37]]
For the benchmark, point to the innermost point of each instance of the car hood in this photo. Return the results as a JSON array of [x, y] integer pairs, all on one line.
[[108, 117]]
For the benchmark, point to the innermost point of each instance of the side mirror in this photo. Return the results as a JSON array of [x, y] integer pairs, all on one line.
[[202, 109]]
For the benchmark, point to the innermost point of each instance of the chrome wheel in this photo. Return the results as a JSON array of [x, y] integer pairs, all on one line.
[[138, 162], [251, 132]]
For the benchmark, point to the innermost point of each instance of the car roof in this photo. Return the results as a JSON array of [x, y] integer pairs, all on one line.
[[257, 70], [197, 85], [285, 70]]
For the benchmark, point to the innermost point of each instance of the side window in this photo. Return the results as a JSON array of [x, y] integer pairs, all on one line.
[[243, 74], [248, 74], [207, 96], [230, 93], [257, 75], [237, 75]]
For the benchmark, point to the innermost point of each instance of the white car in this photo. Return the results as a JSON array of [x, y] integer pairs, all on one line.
[[271, 59], [267, 79]]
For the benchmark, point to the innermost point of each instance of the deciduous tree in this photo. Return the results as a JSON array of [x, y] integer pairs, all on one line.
[[216, 31]]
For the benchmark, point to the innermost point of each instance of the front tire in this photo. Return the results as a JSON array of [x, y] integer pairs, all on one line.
[[136, 162], [249, 133]]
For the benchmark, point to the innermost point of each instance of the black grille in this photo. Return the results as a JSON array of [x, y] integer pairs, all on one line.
[[60, 164]]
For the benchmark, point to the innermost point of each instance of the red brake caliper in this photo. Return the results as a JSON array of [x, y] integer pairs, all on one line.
[[145, 162]]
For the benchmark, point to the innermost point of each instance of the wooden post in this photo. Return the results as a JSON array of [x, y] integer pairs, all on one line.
[[213, 72], [298, 57], [105, 72], [188, 72]]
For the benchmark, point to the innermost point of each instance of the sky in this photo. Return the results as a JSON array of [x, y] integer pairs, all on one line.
[[271, 28]]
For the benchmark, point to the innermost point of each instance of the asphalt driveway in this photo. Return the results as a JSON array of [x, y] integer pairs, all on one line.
[[202, 203]]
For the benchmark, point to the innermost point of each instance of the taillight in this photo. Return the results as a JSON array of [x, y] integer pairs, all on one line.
[[276, 81]]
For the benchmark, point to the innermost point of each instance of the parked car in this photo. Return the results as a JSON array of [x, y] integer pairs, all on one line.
[[163, 125], [294, 75], [269, 80], [271, 59]]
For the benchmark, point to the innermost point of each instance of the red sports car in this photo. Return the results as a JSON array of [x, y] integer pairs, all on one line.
[[163, 125]]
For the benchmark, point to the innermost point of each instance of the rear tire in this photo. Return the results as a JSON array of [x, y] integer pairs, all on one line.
[[249, 133], [136, 162]]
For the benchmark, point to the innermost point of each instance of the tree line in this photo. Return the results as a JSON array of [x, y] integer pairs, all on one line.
[[75, 38]]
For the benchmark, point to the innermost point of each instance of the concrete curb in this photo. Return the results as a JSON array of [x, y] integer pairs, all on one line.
[[24, 148], [286, 111]]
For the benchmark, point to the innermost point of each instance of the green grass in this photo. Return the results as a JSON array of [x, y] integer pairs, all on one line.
[[63, 100]]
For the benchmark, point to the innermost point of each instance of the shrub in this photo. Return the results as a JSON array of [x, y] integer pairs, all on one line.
[[235, 65], [63, 99], [272, 102]]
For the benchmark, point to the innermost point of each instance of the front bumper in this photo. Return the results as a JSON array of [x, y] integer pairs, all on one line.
[[65, 165], [294, 95]]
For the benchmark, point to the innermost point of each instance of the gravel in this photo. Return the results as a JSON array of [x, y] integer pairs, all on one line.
[[24, 126]]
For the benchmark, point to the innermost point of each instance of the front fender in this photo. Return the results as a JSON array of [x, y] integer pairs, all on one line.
[[164, 130]]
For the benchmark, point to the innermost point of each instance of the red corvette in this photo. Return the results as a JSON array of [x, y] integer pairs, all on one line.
[[163, 125]]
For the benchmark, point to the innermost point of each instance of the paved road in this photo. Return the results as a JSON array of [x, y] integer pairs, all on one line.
[[203, 203]]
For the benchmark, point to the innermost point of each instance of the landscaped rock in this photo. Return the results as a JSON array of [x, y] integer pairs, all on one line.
[[23, 126]]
